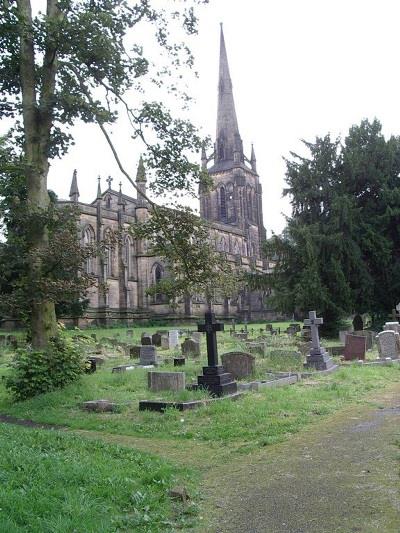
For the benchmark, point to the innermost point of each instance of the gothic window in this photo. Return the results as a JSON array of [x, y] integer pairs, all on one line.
[[236, 248], [157, 274], [109, 254], [222, 203], [108, 202], [87, 240], [230, 203], [249, 203]]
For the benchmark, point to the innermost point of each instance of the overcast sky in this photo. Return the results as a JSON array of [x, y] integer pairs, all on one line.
[[299, 68]]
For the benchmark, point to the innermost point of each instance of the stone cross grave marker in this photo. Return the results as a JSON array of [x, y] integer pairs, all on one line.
[[355, 347], [388, 344], [318, 357], [148, 355], [214, 377]]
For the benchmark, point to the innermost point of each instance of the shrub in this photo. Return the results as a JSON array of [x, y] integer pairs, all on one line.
[[35, 372]]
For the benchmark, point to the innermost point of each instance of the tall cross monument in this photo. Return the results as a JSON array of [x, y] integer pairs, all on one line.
[[318, 357]]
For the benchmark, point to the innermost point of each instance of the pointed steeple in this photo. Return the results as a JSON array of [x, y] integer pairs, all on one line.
[[141, 180], [228, 145], [203, 158], [121, 200], [99, 197], [253, 160], [74, 191]]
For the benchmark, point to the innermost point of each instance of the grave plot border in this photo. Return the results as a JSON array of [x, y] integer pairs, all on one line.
[[160, 406]]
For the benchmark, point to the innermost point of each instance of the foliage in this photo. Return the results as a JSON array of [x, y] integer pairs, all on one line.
[[36, 372], [79, 61], [340, 251], [193, 264]]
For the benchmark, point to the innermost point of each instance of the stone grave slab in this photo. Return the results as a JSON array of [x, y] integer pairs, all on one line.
[[146, 339], [100, 406], [190, 347], [388, 344], [156, 339], [122, 368], [172, 381], [286, 353], [173, 338], [148, 355], [355, 347], [165, 342], [239, 364], [160, 406]]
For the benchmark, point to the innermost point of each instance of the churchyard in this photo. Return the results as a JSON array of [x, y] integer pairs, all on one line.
[[97, 441]]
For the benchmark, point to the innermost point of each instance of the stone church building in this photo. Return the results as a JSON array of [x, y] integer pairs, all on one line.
[[233, 207]]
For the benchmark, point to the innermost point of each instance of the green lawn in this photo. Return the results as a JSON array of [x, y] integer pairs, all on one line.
[[57, 483]]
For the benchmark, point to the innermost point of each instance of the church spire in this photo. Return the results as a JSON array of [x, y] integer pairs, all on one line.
[[228, 145], [74, 191], [253, 160]]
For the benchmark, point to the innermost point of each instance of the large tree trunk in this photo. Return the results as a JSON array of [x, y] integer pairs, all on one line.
[[37, 119]]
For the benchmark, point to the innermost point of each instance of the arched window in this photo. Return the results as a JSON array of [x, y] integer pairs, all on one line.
[[230, 203], [108, 202], [87, 240], [249, 203], [157, 274], [222, 203]]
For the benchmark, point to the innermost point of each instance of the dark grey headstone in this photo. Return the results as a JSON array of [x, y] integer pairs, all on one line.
[[148, 355], [156, 339], [146, 339], [190, 347]]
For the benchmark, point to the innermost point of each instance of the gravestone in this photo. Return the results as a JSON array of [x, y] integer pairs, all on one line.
[[342, 335], [355, 347], [122, 368], [268, 327], [358, 323], [156, 339], [173, 338], [146, 339], [368, 337], [148, 355], [90, 366], [256, 347], [241, 336], [173, 381], [179, 361], [388, 344], [306, 334], [296, 327], [336, 350], [165, 342], [195, 335], [239, 364], [392, 326], [190, 347], [214, 378], [318, 357], [3, 340], [129, 333]]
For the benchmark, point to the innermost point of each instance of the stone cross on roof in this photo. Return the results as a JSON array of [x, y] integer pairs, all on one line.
[[210, 328], [314, 322], [109, 180]]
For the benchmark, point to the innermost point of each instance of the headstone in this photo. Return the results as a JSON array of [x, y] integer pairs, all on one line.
[[173, 338], [165, 342], [241, 336], [256, 348], [214, 378], [90, 366], [355, 347], [179, 361], [388, 344], [306, 334], [196, 336], [146, 339], [358, 323], [239, 364], [129, 333], [336, 350], [318, 357], [190, 347], [173, 381], [156, 339], [3, 340], [368, 337], [392, 326], [148, 355], [122, 368], [342, 336]]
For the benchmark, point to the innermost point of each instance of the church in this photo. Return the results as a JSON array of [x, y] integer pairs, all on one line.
[[233, 208]]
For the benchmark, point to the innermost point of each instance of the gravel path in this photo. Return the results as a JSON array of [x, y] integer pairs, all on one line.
[[339, 476]]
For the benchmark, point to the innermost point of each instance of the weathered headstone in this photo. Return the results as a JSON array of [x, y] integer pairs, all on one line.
[[173, 381], [214, 378], [268, 327], [173, 338], [355, 347], [146, 339], [100, 406], [358, 323], [122, 368], [190, 347], [196, 336], [368, 337], [392, 326], [179, 361], [256, 348], [165, 342], [388, 344], [342, 335], [148, 355], [156, 339], [336, 350], [318, 357], [241, 336], [239, 364], [134, 351]]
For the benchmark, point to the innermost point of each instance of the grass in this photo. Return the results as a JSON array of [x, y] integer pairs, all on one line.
[[54, 482]]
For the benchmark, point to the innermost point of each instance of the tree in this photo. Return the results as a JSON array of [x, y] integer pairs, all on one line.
[[340, 250], [75, 63]]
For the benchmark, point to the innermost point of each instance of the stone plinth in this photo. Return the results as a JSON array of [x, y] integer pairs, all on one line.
[[174, 381], [217, 381]]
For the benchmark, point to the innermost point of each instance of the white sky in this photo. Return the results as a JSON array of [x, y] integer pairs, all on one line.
[[299, 68]]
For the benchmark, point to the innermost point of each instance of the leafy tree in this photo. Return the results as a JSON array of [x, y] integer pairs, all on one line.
[[340, 250], [75, 62]]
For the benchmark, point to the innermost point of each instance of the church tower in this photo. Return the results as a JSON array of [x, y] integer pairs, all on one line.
[[235, 199]]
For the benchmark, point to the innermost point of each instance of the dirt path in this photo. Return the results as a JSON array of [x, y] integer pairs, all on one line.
[[339, 476]]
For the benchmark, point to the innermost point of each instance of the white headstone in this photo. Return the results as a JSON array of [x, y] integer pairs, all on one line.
[[173, 338], [392, 326]]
